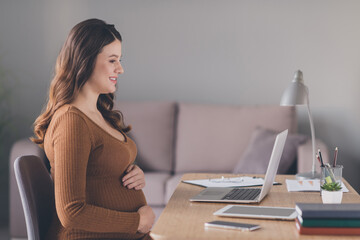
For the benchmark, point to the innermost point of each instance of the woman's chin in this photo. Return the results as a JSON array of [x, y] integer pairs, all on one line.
[[110, 90]]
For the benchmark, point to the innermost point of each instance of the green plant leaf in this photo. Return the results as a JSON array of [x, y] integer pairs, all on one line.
[[334, 186]]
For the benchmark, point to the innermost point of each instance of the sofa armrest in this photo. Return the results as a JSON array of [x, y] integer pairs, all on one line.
[[17, 218], [304, 155]]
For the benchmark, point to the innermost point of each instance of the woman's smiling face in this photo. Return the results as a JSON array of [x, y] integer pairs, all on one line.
[[107, 68]]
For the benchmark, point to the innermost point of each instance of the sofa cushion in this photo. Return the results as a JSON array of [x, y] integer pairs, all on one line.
[[212, 138], [154, 189], [153, 132], [257, 155], [305, 159], [171, 185], [157, 211]]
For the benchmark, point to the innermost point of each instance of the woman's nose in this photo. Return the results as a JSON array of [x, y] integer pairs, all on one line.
[[119, 69]]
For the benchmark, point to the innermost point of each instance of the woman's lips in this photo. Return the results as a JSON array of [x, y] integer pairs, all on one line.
[[113, 79]]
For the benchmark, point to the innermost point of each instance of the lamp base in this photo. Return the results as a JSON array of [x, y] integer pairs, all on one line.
[[308, 175]]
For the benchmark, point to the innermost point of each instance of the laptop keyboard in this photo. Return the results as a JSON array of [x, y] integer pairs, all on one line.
[[242, 194]]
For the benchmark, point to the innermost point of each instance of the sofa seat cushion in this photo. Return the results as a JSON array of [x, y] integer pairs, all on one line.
[[171, 185], [153, 125], [212, 138], [154, 189]]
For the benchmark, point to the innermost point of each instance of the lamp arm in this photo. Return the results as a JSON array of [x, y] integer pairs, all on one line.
[[313, 170]]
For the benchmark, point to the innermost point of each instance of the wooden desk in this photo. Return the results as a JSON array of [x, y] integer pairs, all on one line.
[[182, 219]]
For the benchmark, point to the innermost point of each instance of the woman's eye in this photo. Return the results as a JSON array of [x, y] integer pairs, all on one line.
[[113, 61]]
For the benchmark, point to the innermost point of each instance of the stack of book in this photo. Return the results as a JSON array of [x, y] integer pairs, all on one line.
[[328, 219]]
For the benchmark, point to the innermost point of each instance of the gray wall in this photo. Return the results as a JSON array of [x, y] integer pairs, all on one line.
[[207, 51]]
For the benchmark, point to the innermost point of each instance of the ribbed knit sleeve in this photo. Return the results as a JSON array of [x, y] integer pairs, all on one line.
[[72, 144]]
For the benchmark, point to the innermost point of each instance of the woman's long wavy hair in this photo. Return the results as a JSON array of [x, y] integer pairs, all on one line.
[[73, 68]]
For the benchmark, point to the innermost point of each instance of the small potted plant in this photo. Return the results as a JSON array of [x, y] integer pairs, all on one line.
[[331, 192]]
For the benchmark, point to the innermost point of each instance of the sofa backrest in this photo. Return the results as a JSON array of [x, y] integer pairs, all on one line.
[[212, 138], [153, 127]]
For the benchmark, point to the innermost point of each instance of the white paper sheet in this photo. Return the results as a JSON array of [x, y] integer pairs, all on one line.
[[307, 185], [228, 182]]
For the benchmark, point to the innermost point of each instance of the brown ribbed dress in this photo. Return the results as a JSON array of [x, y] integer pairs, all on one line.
[[87, 164]]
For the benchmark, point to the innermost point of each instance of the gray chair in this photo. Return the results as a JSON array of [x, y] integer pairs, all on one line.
[[37, 195]]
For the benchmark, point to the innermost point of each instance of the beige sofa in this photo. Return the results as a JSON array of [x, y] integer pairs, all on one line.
[[176, 138]]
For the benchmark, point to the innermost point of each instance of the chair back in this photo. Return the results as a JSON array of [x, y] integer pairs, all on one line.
[[37, 195]]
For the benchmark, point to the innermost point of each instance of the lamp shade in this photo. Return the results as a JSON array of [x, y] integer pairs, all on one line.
[[296, 93]]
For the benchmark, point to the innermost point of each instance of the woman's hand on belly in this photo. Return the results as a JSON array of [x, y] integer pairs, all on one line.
[[147, 218], [135, 178]]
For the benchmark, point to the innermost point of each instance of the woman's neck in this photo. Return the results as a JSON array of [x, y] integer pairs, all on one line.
[[86, 101]]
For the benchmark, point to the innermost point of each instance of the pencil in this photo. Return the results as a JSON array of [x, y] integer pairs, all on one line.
[[335, 156]]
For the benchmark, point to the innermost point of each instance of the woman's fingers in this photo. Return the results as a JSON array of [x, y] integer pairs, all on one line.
[[135, 178]]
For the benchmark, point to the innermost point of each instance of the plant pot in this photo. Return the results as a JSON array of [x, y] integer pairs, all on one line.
[[331, 196]]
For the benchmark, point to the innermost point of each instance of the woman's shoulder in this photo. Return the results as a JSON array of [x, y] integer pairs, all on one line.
[[68, 121], [68, 113], [67, 109]]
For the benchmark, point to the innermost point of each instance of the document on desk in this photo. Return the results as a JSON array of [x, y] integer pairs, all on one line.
[[228, 182], [307, 185]]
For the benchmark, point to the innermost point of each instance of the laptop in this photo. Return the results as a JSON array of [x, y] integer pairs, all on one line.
[[247, 195]]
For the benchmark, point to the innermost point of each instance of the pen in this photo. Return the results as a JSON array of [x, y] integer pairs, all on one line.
[[335, 156], [322, 163], [318, 158], [331, 177]]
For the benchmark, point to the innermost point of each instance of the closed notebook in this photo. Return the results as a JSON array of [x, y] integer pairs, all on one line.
[[319, 210], [326, 231], [326, 222]]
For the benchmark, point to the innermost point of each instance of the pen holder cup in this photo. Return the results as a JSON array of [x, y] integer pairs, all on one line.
[[330, 181]]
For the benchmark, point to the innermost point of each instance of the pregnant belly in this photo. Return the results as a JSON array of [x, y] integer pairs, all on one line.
[[111, 194]]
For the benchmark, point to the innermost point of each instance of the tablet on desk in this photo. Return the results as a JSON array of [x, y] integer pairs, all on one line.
[[257, 212]]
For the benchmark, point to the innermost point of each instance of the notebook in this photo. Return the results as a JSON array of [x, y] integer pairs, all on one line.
[[328, 211], [247, 195]]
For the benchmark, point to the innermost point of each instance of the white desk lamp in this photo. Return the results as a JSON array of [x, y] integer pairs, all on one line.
[[298, 94]]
